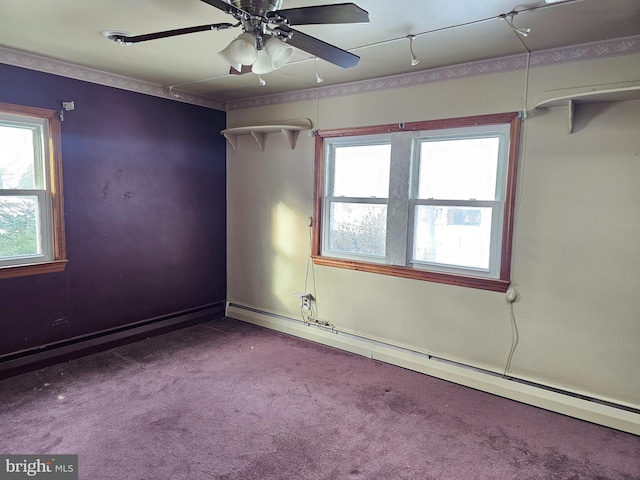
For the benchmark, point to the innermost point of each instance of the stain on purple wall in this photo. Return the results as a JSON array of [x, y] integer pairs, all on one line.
[[145, 212]]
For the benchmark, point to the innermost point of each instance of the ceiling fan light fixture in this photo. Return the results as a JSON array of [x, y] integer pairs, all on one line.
[[279, 52], [228, 57], [241, 51], [264, 64], [236, 66]]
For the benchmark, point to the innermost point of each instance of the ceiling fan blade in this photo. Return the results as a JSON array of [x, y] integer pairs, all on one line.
[[244, 69], [129, 39], [320, 49], [336, 13]]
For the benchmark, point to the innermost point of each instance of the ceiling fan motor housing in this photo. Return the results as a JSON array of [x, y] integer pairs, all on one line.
[[257, 7], [258, 10]]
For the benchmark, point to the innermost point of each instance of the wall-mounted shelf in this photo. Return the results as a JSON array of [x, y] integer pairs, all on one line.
[[289, 128], [615, 92]]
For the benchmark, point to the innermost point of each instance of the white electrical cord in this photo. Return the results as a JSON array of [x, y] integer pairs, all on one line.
[[514, 339], [310, 315], [515, 336]]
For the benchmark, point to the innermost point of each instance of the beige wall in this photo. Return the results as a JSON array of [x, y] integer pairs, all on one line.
[[576, 262]]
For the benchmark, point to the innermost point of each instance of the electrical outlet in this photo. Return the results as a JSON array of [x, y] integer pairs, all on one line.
[[306, 303], [305, 300], [511, 294]]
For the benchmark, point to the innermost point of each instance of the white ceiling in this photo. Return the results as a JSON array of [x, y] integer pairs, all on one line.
[[448, 32]]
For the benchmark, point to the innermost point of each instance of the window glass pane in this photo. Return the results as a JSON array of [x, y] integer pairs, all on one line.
[[458, 236], [19, 226], [361, 171], [17, 158], [462, 169], [358, 228]]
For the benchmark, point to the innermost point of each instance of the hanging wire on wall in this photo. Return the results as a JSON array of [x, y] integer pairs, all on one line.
[[522, 31]]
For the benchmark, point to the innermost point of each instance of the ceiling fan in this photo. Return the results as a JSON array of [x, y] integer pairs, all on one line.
[[267, 39]]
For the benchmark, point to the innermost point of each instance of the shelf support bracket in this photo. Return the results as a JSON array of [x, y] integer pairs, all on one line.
[[292, 136], [261, 138], [233, 140], [572, 112]]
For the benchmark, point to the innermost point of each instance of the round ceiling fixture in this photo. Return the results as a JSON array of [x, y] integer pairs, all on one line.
[[118, 37]]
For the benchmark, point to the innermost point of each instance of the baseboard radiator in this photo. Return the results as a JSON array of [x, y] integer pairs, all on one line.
[[38, 357], [593, 410]]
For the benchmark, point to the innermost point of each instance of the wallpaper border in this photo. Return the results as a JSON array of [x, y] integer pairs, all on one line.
[[576, 53]]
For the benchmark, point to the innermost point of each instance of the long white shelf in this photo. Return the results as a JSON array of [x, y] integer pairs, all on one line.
[[290, 129], [615, 92]]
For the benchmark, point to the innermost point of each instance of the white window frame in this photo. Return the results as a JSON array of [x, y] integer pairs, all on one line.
[[401, 204], [330, 199], [47, 190], [500, 131]]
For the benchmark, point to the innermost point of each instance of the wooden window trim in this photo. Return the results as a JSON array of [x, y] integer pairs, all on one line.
[[59, 261], [492, 284]]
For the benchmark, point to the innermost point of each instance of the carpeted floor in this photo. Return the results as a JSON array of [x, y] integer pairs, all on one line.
[[228, 400]]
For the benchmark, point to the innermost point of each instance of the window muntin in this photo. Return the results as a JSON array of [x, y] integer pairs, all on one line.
[[31, 220], [424, 216]]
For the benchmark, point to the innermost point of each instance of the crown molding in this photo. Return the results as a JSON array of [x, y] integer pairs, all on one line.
[[577, 53], [69, 70]]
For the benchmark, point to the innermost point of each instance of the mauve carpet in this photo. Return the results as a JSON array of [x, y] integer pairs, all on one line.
[[229, 400]]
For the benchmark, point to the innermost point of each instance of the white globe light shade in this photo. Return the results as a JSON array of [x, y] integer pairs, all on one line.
[[279, 52], [241, 51], [263, 64], [226, 54]]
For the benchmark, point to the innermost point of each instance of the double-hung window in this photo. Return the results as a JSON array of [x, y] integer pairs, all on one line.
[[357, 198], [427, 200], [31, 209]]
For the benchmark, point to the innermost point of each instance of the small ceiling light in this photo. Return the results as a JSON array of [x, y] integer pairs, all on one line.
[[414, 59], [523, 31], [319, 79], [262, 81]]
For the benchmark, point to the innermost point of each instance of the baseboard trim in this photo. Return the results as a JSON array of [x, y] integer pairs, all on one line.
[[39, 357], [553, 399]]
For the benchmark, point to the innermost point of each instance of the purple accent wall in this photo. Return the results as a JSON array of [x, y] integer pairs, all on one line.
[[145, 212]]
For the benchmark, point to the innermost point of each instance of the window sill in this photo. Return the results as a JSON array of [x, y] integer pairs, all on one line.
[[491, 284], [33, 269]]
